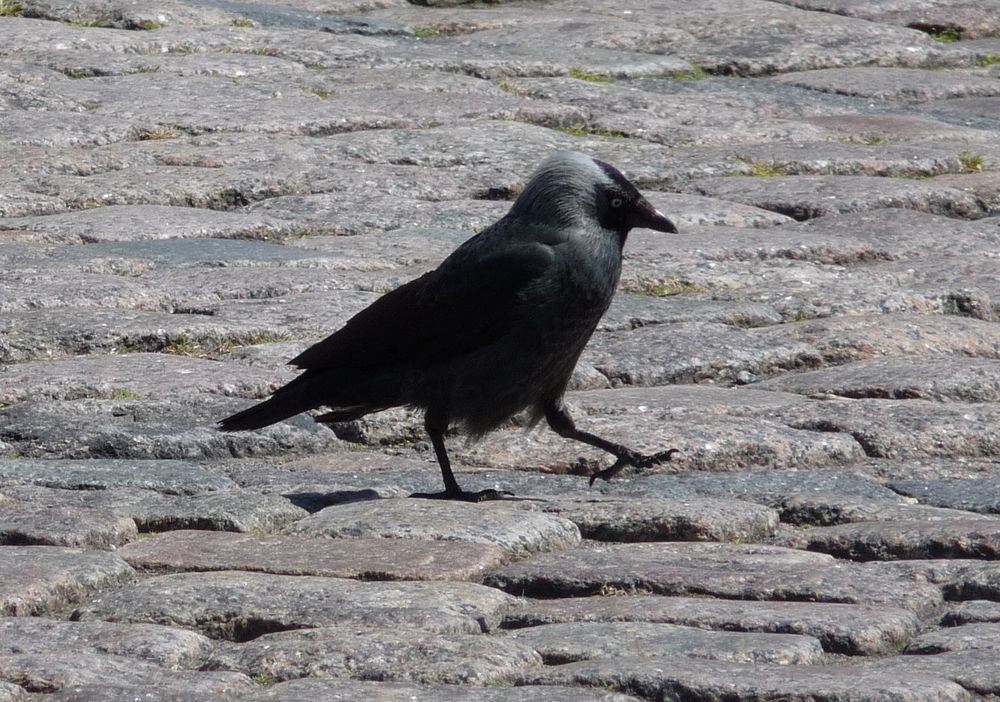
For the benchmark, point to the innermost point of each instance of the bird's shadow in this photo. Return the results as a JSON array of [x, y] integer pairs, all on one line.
[[315, 501]]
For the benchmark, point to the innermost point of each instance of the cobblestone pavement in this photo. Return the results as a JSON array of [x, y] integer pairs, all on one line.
[[193, 191]]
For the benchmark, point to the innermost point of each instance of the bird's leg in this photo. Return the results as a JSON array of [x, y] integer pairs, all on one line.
[[451, 489], [563, 425]]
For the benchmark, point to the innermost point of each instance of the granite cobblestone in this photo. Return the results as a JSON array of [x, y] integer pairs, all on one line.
[[195, 190]]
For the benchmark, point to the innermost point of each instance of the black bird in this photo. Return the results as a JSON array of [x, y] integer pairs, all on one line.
[[497, 328]]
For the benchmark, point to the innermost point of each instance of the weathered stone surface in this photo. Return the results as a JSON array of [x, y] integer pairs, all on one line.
[[9, 692], [39, 579], [908, 428], [222, 510], [708, 438], [719, 570], [139, 222], [975, 495], [383, 655], [974, 669], [181, 428], [956, 638], [518, 533], [841, 628], [894, 84], [768, 487], [320, 690], [48, 672], [24, 523], [829, 509], [651, 519], [718, 680], [566, 643], [241, 605], [809, 196], [165, 646], [970, 17], [940, 378], [134, 376], [902, 539], [168, 477], [367, 559], [971, 612]]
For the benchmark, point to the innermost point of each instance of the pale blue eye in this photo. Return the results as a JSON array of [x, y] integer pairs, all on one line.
[[616, 202]]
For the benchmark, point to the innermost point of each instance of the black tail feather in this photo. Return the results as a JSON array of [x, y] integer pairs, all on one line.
[[289, 400]]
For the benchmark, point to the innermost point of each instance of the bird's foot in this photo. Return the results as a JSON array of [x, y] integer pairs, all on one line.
[[633, 458], [463, 496]]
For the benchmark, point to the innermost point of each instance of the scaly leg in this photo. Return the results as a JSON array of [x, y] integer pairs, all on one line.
[[451, 489], [563, 425]]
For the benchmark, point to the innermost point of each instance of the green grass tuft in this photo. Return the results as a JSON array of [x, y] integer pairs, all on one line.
[[582, 130], [11, 8], [759, 169], [989, 60], [242, 23], [321, 93], [425, 32], [696, 73], [666, 287], [948, 35], [971, 163], [581, 74], [124, 394]]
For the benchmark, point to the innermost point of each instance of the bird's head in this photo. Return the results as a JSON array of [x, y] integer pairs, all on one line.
[[571, 188]]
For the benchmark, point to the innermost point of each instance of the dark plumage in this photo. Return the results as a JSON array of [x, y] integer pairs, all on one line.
[[496, 329]]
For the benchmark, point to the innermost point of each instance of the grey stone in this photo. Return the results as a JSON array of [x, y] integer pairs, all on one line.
[[844, 339], [39, 579], [895, 84], [517, 532], [384, 655], [133, 376], [368, 559], [975, 495], [48, 672], [692, 352], [652, 519], [970, 17], [956, 638], [24, 523], [138, 222], [768, 487], [718, 570], [320, 690], [941, 378], [830, 509], [9, 692], [164, 646], [221, 510], [971, 612], [570, 642], [181, 428], [241, 605], [169, 477], [908, 428], [841, 628], [974, 669], [901, 539], [713, 428], [808, 196], [665, 677]]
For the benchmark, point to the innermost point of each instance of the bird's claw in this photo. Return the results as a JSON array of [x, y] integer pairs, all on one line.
[[633, 458]]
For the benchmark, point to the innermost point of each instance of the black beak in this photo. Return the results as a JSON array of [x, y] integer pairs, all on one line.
[[648, 217]]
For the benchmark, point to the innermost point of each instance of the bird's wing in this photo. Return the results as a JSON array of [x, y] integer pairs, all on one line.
[[467, 303]]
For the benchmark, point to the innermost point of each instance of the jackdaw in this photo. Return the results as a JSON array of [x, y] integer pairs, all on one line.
[[496, 329]]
